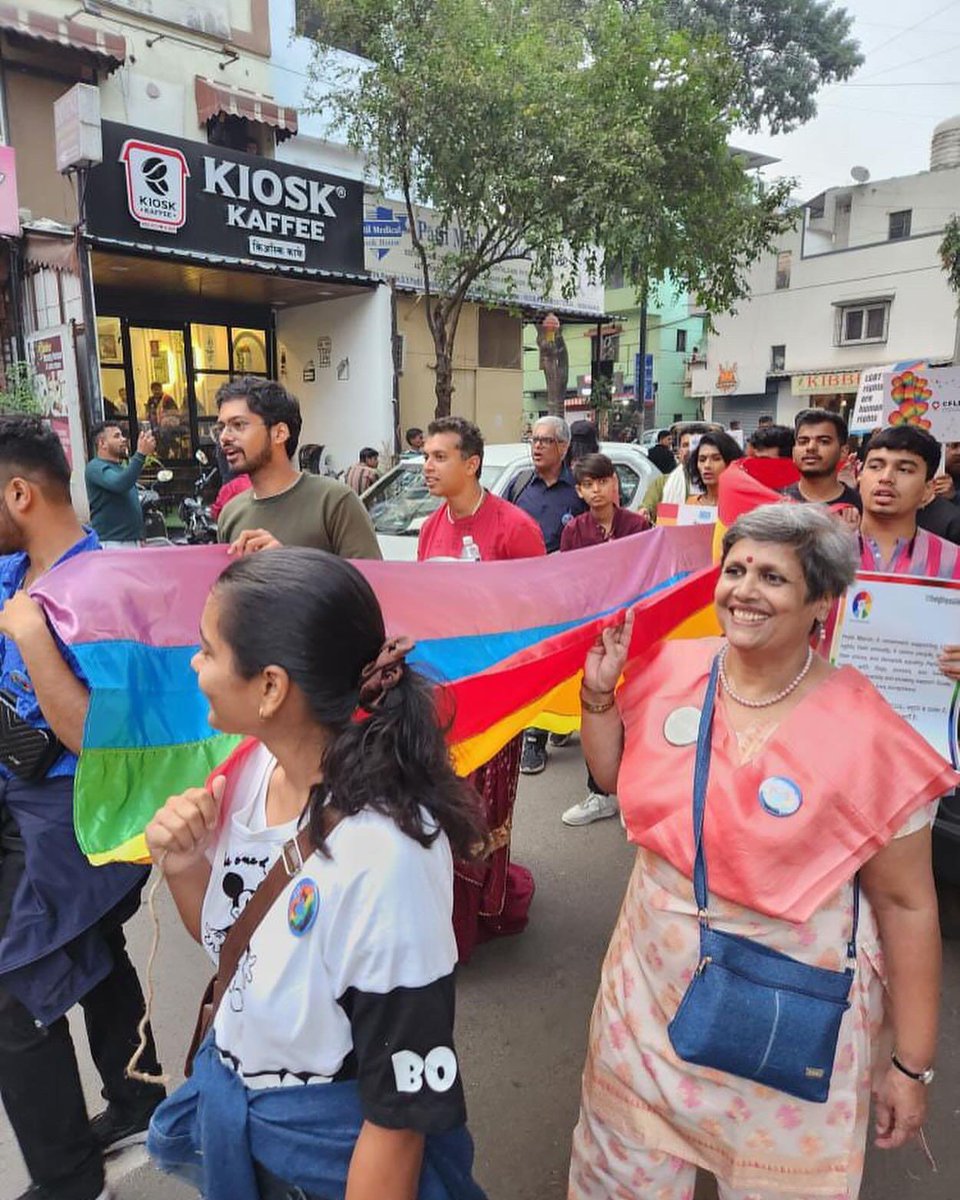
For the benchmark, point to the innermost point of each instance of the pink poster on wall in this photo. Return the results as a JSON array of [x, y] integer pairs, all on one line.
[[9, 203], [55, 372]]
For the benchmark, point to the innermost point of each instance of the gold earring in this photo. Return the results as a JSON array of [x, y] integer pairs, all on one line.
[[260, 713]]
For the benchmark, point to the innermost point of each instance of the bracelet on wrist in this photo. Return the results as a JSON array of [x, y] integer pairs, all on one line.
[[590, 705], [924, 1077]]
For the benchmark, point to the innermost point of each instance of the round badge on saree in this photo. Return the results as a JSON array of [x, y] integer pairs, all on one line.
[[682, 726], [780, 797], [303, 907]]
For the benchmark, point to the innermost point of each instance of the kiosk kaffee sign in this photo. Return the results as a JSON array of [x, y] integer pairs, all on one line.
[[202, 199]]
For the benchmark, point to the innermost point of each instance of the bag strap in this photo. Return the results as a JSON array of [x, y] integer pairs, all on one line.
[[520, 484], [294, 854], [701, 775]]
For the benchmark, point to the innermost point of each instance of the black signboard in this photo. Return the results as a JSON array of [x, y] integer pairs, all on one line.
[[194, 198]]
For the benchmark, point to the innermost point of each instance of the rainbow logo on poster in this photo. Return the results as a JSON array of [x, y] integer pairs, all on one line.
[[862, 603]]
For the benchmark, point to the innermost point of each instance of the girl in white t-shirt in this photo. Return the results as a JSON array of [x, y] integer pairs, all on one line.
[[331, 1069]]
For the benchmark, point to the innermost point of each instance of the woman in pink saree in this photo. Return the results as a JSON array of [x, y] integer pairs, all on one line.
[[813, 778]]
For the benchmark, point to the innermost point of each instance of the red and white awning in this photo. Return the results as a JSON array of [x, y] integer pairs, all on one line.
[[108, 50], [214, 97]]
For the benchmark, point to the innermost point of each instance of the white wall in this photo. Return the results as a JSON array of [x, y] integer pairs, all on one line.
[[168, 67], [803, 317], [343, 415]]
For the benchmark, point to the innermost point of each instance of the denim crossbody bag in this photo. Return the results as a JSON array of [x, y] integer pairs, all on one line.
[[749, 1010]]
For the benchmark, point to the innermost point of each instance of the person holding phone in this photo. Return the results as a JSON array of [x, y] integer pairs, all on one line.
[[115, 511]]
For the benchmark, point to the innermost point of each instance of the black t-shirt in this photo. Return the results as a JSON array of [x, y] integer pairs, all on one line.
[[942, 518], [847, 496]]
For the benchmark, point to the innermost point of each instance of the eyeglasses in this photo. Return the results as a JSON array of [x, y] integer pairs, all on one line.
[[544, 441]]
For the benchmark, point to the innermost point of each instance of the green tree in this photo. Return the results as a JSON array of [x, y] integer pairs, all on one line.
[[786, 49], [18, 393], [547, 134], [950, 258]]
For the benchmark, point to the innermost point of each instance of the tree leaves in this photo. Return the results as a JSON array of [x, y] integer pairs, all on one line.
[[567, 132]]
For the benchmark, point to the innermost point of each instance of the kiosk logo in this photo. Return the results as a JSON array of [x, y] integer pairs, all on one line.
[[156, 185]]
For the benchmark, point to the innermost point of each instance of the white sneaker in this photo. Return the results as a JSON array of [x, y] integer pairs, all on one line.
[[594, 808]]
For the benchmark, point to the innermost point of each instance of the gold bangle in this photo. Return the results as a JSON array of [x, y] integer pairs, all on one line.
[[587, 706]]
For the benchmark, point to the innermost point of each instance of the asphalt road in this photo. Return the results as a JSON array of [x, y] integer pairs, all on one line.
[[523, 1009]]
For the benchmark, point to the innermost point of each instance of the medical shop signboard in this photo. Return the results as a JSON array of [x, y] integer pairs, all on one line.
[[197, 199]]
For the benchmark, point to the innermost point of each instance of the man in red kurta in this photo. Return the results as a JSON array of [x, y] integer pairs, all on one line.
[[491, 897]]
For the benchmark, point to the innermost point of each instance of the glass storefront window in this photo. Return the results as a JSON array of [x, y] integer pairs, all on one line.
[[114, 392], [160, 388], [210, 347], [206, 387], [249, 352], [109, 340]]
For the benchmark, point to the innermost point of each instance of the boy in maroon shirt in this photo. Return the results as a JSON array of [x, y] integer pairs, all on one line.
[[598, 487]]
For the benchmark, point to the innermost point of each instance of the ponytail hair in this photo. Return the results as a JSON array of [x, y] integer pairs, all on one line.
[[315, 615]]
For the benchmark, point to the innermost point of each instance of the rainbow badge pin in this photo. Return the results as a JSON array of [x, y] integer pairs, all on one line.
[[303, 907]]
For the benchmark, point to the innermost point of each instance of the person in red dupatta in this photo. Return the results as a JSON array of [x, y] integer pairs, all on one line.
[[813, 778]]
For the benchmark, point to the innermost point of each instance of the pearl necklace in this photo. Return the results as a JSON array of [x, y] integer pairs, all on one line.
[[473, 513], [781, 695]]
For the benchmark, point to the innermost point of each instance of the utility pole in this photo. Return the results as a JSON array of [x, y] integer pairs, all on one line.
[[642, 354]]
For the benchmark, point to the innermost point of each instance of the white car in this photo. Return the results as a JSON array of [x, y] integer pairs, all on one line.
[[399, 503]]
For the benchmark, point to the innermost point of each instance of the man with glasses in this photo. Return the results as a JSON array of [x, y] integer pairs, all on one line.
[[258, 432], [548, 493]]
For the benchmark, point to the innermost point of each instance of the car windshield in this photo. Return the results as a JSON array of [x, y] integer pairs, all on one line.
[[400, 503]]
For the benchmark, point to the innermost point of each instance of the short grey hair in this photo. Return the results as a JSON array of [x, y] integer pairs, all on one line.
[[826, 547], [561, 430]]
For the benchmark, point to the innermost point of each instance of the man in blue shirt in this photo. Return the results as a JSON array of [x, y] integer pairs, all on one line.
[[548, 493], [115, 511], [61, 935]]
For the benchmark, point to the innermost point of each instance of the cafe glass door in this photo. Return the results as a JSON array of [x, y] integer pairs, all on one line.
[[161, 390]]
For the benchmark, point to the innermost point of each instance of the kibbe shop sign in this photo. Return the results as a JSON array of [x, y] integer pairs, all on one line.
[[196, 198]]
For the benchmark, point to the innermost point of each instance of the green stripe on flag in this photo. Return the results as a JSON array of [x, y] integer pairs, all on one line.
[[116, 792]]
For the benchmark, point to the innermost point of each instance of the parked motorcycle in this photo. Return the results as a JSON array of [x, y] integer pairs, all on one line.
[[154, 522], [199, 527]]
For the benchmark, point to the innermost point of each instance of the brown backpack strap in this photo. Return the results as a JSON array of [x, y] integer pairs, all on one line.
[[294, 854]]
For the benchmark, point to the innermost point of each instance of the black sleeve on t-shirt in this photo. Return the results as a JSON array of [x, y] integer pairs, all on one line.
[[407, 1069]]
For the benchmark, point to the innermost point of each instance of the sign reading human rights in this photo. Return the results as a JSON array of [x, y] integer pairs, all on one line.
[[201, 199]]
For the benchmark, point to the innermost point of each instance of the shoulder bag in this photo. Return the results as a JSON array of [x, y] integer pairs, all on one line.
[[751, 1011], [290, 863]]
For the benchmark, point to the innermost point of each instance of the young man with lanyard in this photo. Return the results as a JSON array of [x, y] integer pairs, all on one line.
[[896, 481], [821, 439], [61, 919], [259, 429], [489, 897], [546, 492], [604, 521]]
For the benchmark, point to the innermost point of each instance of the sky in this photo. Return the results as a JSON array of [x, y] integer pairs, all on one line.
[[884, 116]]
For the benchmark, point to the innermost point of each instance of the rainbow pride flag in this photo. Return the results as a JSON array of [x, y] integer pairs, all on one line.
[[506, 640]]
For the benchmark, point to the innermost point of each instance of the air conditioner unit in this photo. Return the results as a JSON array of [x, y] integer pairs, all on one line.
[[400, 353]]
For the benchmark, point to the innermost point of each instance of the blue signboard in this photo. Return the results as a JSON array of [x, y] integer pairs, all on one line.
[[648, 393]]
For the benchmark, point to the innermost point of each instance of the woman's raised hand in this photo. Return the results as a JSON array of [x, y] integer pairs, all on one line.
[[179, 834], [608, 656]]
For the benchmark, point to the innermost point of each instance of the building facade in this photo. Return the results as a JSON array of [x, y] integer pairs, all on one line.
[[675, 333], [222, 229], [857, 284]]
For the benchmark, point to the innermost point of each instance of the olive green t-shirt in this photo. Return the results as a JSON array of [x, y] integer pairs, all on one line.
[[316, 511]]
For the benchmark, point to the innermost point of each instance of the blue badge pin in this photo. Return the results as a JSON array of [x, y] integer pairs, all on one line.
[[303, 907], [780, 797]]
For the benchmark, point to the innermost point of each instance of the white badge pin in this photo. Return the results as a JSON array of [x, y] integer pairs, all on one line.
[[682, 726], [779, 796]]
